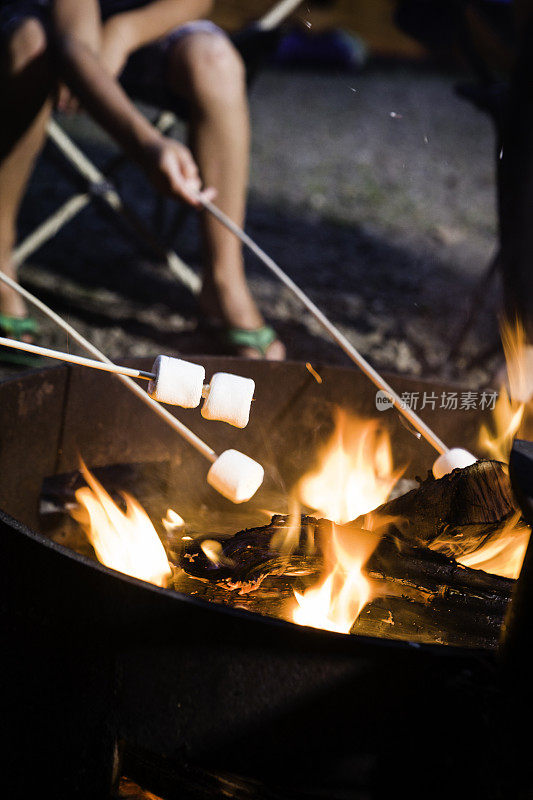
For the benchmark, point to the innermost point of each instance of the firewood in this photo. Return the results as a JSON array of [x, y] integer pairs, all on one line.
[[420, 594], [466, 502], [248, 558]]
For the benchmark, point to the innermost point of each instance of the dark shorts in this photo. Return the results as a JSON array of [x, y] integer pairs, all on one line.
[[13, 14], [145, 74]]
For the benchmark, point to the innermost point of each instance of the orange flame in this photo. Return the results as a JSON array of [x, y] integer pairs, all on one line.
[[503, 554], [336, 601], [497, 440], [356, 471], [172, 522], [355, 475], [286, 540], [214, 552], [519, 360], [125, 541]]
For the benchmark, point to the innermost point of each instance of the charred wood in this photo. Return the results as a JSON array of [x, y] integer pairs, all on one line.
[[468, 502], [420, 594]]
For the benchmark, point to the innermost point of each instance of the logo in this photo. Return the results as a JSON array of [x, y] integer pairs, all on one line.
[[383, 400]]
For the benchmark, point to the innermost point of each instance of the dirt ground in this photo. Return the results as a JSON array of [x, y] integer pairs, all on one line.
[[374, 191]]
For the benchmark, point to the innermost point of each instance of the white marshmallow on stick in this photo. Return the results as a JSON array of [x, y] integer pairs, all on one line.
[[242, 483], [456, 458], [229, 399], [236, 476], [177, 382], [172, 381]]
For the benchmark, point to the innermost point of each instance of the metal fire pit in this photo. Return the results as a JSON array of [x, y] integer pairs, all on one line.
[[100, 666]]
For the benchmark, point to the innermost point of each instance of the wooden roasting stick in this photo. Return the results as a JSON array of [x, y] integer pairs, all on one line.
[[178, 426], [233, 474], [277, 14], [59, 355], [333, 331]]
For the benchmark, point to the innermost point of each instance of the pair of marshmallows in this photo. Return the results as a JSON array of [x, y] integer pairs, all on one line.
[[228, 398]]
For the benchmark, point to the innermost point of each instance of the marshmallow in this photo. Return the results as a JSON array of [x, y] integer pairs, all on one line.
[[236, 476], [229, 399], [456, 458], [177, 382]]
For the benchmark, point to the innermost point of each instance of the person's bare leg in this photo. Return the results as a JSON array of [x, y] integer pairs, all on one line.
[[207, 70], [25, 108]]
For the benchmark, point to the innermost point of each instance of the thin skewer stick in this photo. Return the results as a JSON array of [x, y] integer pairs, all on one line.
[[277, 14], [333, 331], [27, 347], [178, 426]]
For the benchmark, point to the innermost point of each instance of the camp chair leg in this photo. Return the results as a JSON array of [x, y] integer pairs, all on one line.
[[104, 190], [48, 229]]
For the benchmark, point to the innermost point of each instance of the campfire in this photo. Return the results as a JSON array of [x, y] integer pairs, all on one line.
[[213, 652], [361, 550]]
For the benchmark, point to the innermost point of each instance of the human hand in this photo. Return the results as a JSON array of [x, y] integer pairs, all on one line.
[[173, 171], [65, 100]]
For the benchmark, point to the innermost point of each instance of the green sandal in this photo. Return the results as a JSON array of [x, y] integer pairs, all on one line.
[[258, 339], [16, 328]]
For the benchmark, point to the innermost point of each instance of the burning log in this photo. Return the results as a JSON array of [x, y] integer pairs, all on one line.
[[418, 593], [246, 559], [243, 561], [470, 502]]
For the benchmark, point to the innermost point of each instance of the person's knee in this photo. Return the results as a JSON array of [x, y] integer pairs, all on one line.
[[216, 69], [27, 45]]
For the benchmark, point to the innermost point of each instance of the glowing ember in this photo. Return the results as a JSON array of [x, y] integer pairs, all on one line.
[[336, 601], [355, 474], [125, 541], [314, 373]]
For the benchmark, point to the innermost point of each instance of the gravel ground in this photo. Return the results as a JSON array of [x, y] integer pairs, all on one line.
[[374, 191]]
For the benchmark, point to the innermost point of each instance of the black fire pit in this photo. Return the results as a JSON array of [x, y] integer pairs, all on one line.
[[106, 674]]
